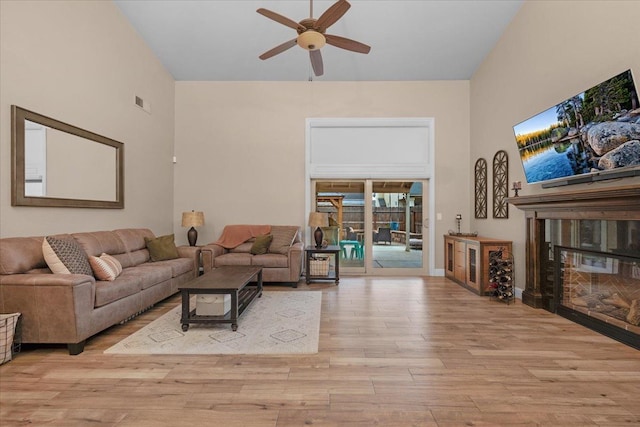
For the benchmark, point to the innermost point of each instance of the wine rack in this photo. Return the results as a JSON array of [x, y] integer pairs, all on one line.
[[501, 276]]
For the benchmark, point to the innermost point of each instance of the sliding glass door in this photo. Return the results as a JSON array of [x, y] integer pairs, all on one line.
[[378, 224], [397, 233], [344, 202]]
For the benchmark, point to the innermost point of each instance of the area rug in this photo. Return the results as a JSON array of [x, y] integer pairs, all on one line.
[[276, 323]]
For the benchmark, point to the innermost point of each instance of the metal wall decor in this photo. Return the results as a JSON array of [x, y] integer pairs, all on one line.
[[481, 188], [500, 184]]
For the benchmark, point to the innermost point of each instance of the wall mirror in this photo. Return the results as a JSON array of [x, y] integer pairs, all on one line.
[[55, 164]]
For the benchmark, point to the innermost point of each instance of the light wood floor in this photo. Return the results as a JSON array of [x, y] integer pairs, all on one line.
[[393, 352]]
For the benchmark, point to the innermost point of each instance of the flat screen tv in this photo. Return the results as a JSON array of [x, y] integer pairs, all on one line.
[[591, 136]]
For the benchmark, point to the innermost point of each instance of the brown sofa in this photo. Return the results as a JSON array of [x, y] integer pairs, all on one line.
[[283, 263], [69, 308]]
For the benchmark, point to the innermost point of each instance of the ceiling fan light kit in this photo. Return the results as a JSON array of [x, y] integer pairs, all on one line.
[[311, 40], [311, 34]]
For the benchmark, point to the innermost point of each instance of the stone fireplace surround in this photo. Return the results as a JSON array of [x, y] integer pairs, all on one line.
[[557, 219]]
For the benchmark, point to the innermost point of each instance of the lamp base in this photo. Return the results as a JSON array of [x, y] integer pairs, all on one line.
[[318, 235], [192, 236]]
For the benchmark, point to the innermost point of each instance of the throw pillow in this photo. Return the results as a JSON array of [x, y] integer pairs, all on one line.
[[283, 236], [65, 256], [105, 267], [162, 248], [261, 245]]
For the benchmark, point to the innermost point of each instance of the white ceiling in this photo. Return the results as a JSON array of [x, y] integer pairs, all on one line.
[[410, 40]]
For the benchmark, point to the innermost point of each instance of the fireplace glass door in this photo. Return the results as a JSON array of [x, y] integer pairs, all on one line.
[[600, 290], [621, 237], [590, 273]]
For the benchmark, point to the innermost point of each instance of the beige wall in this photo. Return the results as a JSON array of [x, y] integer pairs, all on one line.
[[81, 62], [552, 50], [241, 145]]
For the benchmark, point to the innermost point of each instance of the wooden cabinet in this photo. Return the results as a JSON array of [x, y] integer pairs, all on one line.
[[460, 264], [467, 260]]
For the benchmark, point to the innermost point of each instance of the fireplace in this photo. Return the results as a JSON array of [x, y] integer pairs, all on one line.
[[583, 258], [599, 290]]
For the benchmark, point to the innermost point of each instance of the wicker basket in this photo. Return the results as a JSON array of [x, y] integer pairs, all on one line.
[[8, 338], [319, 266]]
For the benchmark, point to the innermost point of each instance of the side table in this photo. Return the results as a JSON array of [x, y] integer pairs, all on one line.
[[312, 251]]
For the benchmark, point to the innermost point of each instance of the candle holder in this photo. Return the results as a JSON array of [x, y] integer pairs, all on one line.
[[517, 186], [458, 221]]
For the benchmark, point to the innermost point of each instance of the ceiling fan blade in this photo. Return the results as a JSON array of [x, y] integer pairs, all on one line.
[[331, 15], [348, 44], [280, 19], [278, 49], [316, 62]]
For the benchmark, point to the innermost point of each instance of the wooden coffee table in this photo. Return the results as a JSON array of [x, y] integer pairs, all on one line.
[[226, 280]]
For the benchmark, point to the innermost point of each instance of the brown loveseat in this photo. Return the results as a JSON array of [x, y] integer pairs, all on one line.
[[69, 308], [281, 263]]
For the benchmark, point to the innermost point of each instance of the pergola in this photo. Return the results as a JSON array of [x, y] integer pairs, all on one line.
[[336, 202]]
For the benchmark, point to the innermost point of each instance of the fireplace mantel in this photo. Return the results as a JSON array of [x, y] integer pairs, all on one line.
[[611, 201], [608, 203]]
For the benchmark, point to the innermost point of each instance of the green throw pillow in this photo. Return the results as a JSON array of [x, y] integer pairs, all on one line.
[[261, 245], [162, 248]]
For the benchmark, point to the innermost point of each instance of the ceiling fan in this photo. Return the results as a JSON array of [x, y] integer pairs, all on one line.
[[311, 34]]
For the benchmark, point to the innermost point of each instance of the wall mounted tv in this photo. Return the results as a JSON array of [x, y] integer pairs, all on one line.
[[592, 136]]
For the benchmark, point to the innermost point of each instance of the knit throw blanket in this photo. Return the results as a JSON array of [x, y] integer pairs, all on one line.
[[234, 235]]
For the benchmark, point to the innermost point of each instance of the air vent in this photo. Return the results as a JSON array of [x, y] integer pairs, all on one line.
[[143, 104]]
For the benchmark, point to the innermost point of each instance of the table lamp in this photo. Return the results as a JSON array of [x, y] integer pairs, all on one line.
[[318, 219], [192, 219]]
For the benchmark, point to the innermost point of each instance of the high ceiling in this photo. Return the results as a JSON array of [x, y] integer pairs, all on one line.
[[216, 40]]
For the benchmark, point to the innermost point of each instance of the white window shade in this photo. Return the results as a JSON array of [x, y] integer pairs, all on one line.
[[370, 148]]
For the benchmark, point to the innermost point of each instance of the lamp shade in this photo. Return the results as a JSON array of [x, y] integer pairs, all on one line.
[[318, 219], [192, 219]]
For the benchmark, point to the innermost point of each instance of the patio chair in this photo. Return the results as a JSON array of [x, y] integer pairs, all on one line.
[[351, 239], [351, 235], [383, 235]]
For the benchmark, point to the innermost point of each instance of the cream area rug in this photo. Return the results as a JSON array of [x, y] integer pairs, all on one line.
[[276, 323]]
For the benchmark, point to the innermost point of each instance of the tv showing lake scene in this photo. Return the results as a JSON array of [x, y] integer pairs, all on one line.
[[595, 131]]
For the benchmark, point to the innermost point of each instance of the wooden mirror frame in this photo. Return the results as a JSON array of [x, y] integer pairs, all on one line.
[[18, 175]]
